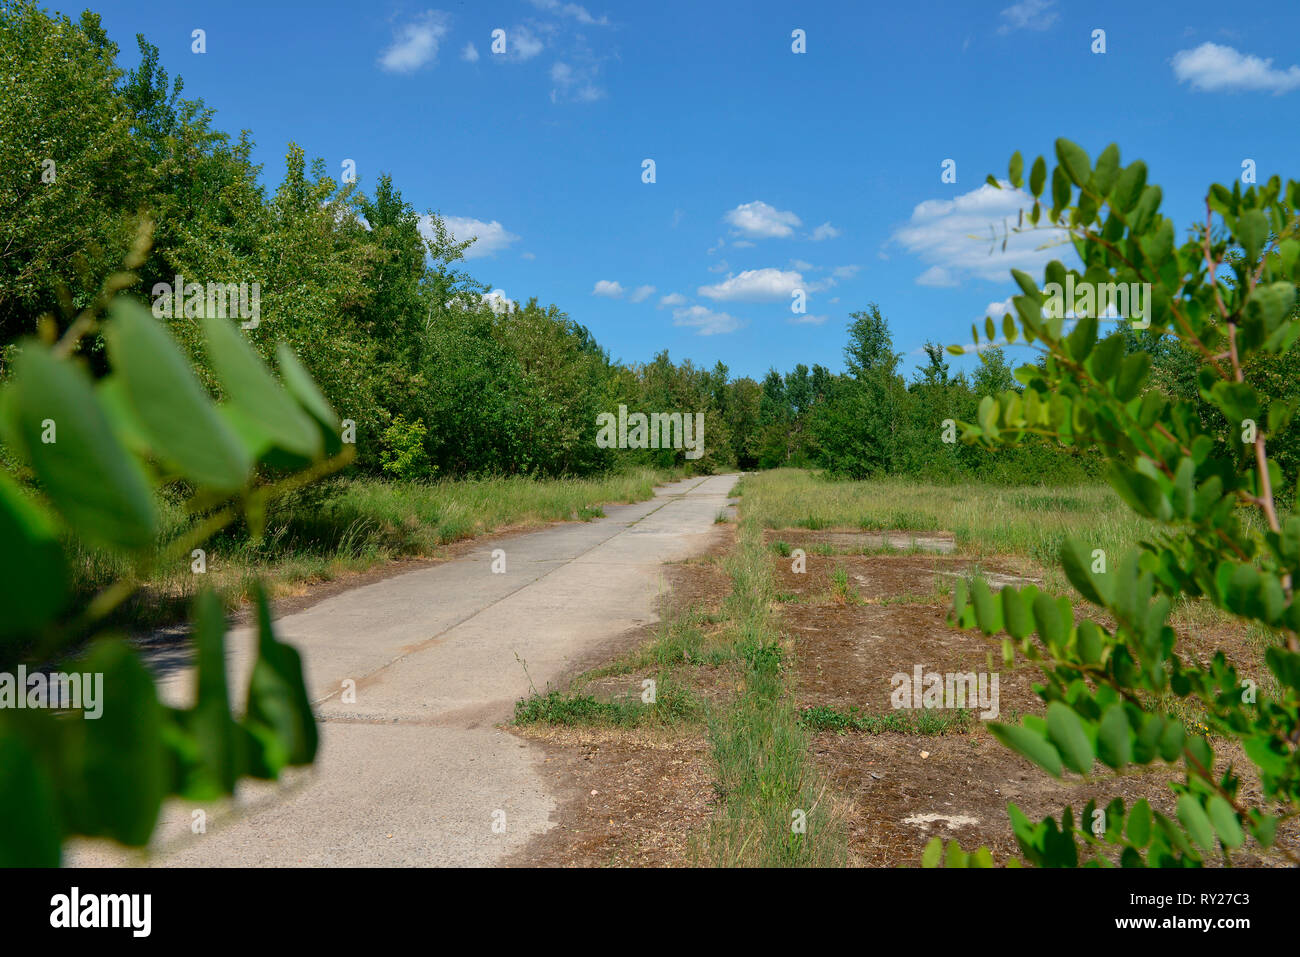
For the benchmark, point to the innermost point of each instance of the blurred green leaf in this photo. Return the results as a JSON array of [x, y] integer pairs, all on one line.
[[180, 421]]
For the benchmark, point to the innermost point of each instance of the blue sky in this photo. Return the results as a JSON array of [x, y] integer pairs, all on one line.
[[774, 170]]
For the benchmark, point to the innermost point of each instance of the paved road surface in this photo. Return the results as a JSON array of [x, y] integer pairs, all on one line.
[[414, 771]]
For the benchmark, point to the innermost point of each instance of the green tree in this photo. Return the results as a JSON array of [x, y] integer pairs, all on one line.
[[860, 428]]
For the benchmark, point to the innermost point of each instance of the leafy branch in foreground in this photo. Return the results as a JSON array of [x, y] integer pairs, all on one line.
[[1227, 294], [97, 452]]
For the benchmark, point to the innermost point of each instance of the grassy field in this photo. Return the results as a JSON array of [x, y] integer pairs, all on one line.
[[1029, 521], [349, 525]]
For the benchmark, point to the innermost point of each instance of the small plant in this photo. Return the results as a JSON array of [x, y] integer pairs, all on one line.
[[841, 593]]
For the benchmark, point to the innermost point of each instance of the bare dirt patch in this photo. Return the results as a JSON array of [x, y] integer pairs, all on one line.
[[897, 791], [634, 797], [630, 798]]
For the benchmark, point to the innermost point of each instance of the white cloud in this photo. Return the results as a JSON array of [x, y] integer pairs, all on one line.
[[845, 272], [1029, 15], [499, 302], [522, 43], [936, 276], [720, 266], [640, 294], [754, 285], [672, 299], [577, 84], [470, 53], [609, 288], [489, 238], [1215, 68], [742, 244], [705, 321], [998, 309], [529, 256], [824, 231], [955, 234], [802, 265], [807, 319], [415, 43], [762, 221], [578, 13]]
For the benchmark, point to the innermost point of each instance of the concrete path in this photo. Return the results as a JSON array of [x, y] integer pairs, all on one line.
[[411, 674]]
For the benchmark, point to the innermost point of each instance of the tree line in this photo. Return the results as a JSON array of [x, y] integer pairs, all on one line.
[[375, 299]]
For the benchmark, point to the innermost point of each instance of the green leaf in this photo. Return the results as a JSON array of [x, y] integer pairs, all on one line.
[[1076, 562], [1037, 177], [302, 387], [1066, 731], [1139, 823], [1090, 643], [90, 478], [1237, 401], [1017, 169], [1114, 738], [1015, 612], [279, 715], [1051, 627], [1075, 161], [1171, 740], [263, 413], [933, 853], [121, 754], [1129, 186], [1225, 823], [1132, 375], [175, 414], [1252, 233], [1196, 821], [217, 757], [33, 573], [1029, 744], [1271, 303], [988, 611], [32, 835], [1060, 191], [1104, 176]]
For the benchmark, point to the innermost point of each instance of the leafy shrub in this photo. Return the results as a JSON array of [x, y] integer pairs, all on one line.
[[98, 453], [1227, 295], [403, 454]]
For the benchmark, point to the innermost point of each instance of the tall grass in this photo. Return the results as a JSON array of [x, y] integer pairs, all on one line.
[[766, 779], [350, 524]]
